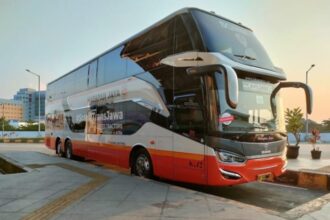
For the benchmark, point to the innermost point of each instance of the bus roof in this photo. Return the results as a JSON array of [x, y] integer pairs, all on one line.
[[167, 18]]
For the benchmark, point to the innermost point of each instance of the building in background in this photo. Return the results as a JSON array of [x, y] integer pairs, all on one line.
[[35, 103], [30, 100], [25, 96], [11, 109]]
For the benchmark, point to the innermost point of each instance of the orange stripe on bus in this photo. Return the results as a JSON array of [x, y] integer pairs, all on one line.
[[152, 151]]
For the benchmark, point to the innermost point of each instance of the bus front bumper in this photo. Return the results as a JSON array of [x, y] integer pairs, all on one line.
[[226, 174]]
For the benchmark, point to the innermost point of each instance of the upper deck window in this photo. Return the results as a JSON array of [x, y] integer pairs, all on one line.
[[234, 41]]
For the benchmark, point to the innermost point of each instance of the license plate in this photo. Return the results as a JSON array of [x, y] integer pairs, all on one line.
[[265, 177]]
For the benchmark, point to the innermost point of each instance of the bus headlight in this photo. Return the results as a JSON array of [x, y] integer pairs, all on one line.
[[229, 157]]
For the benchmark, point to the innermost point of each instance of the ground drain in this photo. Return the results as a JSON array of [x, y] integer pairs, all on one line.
[[6, 167]]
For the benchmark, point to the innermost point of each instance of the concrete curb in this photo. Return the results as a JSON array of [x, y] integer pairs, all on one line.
[[310, 179], [22, 140]]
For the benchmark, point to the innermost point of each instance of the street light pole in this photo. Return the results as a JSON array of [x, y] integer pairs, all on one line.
[[3, 120], [307, 84], [37, 75]]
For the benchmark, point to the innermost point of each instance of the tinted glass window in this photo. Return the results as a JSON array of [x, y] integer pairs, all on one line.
[[162, 79], [232, 40], [148, 77], [79, 80], [136, 116], [111, 67], [147, 50], [188, 116], [92, 74], [76, 120], [74, 82], [117, 119], [182, 39], [193, 33], [133, 67], [187, 105]]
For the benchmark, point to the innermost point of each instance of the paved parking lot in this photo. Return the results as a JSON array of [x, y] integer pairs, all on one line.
[[56, 188], [43, 193]]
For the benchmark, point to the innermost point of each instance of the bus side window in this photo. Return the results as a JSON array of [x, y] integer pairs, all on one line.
[[111, 67], [92, 74], [182, 38]]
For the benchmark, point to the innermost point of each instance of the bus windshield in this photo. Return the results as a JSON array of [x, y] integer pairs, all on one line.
[[253, 112], [233, 41]]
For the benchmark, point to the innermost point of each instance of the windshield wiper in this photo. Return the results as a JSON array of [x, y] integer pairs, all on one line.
[[244, 57], [251, 128]]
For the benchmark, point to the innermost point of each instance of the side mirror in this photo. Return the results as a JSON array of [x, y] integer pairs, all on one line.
[[307, 89], [231, 80], [199, 63]]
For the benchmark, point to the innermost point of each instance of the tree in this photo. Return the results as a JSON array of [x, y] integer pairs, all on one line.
[[293, 118], [6, 125], [326, 125], [32, 127]]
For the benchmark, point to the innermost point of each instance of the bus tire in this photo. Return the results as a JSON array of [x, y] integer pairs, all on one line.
[[142, 164], [58, 148], [68, 150]]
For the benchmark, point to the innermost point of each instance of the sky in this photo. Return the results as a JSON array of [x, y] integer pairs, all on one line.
[[53, 37]]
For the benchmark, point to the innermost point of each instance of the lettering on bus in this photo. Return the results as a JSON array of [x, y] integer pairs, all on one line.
[[104, 97], [110, 116], [110, 122], [106, 116], [196, 164], [55, 121]]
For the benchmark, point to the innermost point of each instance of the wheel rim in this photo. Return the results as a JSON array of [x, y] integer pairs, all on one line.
[[142, 165], [58, 148], [68, 152]]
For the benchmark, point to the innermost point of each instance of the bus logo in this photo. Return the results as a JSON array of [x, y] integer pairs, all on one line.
[[266, 150]]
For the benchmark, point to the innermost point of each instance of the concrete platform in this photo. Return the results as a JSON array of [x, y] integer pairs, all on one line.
[[56, 188], [305, 162]]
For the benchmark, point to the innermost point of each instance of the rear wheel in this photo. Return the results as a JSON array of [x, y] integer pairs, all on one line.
[[68, 150], [58, 148], [142, 165]]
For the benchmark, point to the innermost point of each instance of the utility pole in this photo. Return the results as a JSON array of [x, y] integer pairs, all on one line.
[[3, 120]]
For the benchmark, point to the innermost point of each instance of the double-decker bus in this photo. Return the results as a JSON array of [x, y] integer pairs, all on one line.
[[193, 98]]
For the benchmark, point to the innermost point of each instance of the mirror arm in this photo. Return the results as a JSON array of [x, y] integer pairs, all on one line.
[[220, 69], [307, 89], [228, 99]]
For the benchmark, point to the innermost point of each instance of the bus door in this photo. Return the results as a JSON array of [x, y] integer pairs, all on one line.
[[188, 139]]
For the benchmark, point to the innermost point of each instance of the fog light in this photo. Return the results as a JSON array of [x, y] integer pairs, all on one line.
[[230, 175]]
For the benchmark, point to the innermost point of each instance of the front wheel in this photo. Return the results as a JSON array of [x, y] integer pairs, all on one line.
[[142, 164]]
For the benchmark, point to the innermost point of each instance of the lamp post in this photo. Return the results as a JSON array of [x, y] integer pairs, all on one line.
[[307, 84], [3, 120], [38, 76]]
